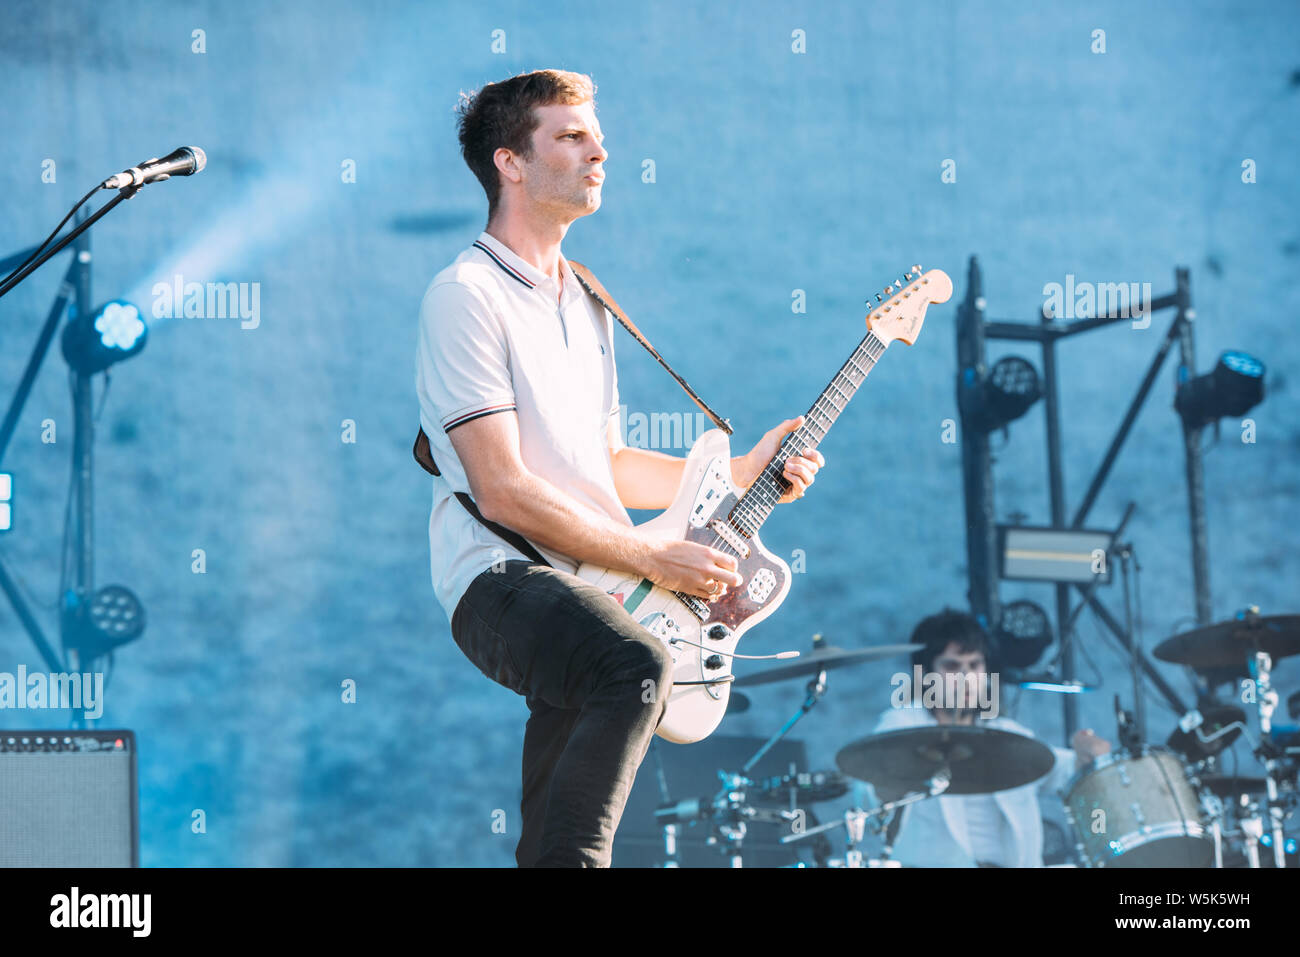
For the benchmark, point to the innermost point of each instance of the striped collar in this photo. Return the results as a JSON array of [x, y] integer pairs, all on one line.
[[515, 266]]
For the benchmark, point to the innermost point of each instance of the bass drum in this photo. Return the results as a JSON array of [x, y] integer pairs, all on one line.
[[1138, 810]]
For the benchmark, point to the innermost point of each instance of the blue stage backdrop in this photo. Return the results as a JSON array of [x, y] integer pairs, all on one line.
[[254, 482]]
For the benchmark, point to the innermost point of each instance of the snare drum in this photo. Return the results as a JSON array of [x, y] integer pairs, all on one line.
[[1137, 810]]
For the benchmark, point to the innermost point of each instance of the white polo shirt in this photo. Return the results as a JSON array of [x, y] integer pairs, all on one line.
[[497, 335]]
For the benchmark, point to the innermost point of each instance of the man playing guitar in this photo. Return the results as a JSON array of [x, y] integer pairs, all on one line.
[[519, 398]]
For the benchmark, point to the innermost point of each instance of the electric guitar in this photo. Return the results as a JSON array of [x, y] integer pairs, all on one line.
[[702, 635]]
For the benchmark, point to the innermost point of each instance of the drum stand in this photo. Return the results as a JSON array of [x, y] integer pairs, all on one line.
[[856, 819], [731, 798], [1266, 702], [670, 826], [729, 810]]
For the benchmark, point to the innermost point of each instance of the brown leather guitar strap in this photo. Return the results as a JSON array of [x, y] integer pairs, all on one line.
[[424, 455], [598, 292]]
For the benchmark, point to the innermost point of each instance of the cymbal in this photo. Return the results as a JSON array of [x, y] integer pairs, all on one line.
[[1230, 644], [823, 659], [979, 760]]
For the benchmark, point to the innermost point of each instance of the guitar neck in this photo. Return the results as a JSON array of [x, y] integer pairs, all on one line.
[[761, 497]]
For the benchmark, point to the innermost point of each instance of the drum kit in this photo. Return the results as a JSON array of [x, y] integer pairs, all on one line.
[[1140, 805]]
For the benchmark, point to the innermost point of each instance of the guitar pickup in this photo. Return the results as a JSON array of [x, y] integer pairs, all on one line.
[[730, 536]]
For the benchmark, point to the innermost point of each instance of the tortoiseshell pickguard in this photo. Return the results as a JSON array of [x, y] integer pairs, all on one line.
[[763, 577]]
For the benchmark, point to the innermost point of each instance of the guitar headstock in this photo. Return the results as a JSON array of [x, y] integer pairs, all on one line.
[[901, 315]]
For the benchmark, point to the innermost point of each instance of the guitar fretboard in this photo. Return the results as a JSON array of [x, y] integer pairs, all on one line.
[[760, 498]]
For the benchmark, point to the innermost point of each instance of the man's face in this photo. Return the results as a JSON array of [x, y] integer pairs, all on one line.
[[972, 668], [564, 176]]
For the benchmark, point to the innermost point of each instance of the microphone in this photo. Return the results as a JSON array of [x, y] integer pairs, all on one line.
[[692, 809], [1127, 730], [185, 161]]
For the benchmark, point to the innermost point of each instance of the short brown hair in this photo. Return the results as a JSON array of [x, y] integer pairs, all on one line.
[[501, 115]]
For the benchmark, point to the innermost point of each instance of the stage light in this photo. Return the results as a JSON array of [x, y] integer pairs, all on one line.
[[1058, 555], [113, 617], [1008, 392], [1023, 634], [6, 501], [1232, 388], [112, 333]]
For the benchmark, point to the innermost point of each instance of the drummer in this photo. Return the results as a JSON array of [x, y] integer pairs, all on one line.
[[1003, 829]]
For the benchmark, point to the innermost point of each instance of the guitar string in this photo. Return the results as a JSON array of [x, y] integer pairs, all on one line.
[[767, 492], [764, 488]]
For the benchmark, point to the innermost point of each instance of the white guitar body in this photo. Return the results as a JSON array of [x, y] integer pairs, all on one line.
[[701, 635], [701, 675]]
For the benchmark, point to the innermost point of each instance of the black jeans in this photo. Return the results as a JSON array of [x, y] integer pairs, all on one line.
[[597, 686]]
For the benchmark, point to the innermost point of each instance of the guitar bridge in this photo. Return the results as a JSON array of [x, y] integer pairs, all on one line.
[[697, 606]]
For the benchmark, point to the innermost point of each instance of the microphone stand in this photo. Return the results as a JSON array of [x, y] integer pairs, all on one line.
[[1126, 555], [125, 192], [731, 795], [76, 280], [665, 797]]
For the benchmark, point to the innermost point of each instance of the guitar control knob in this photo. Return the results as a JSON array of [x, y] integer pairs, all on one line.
[[717, 632], [713, 662]]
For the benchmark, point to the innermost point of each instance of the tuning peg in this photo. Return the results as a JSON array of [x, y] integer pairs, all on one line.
[[916, 269], [878, 298]]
